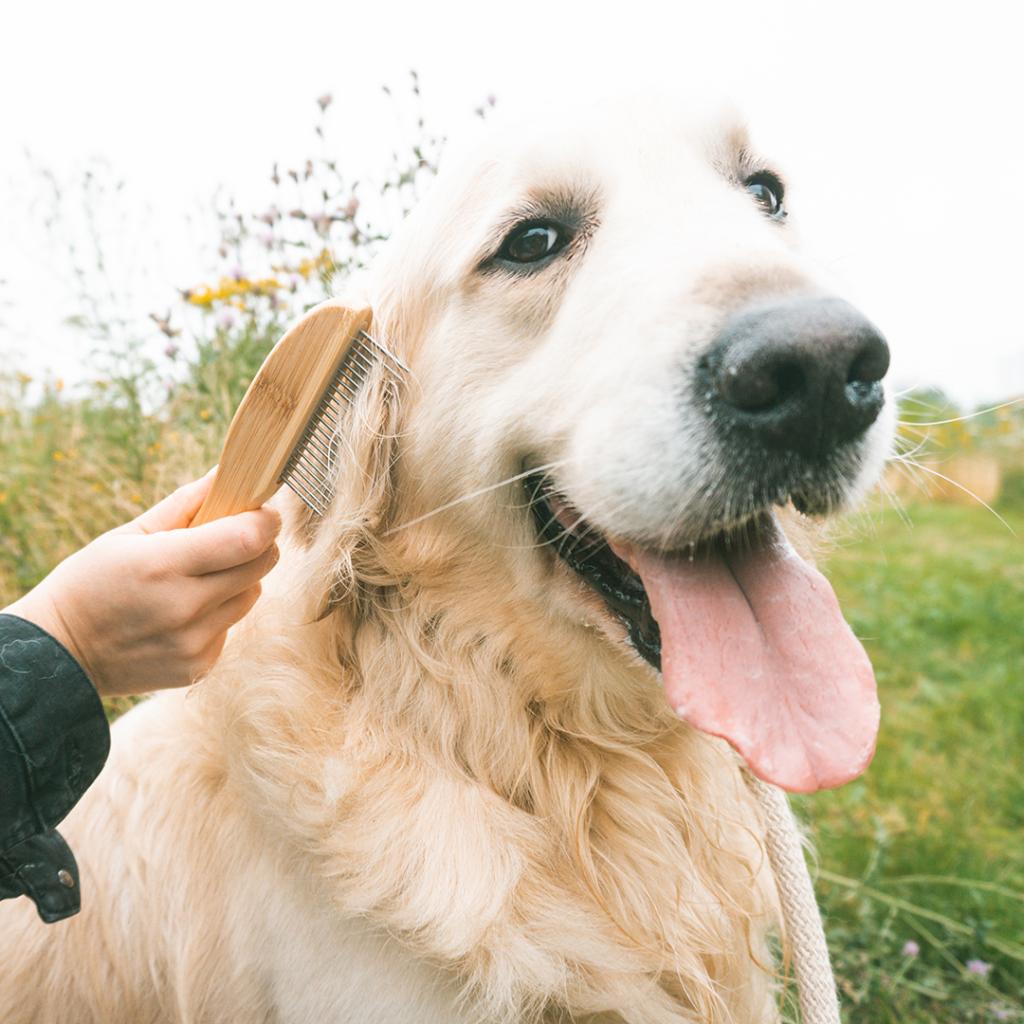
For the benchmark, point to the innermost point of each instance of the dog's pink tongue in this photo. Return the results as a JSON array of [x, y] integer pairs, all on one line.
[[754, 649]]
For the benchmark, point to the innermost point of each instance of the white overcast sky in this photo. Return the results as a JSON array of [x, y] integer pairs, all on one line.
[[901, 123]]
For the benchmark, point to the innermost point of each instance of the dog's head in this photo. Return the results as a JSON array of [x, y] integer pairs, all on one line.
[[623, 366]]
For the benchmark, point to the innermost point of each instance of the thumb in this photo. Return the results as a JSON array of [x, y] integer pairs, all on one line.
[[176, 511]]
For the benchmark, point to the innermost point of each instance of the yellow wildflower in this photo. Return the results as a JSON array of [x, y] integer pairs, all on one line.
[[230, 288], [205, 414], [58, 456]]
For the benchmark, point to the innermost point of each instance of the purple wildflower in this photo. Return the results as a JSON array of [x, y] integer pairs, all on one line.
[[910, 948], [979, 967]]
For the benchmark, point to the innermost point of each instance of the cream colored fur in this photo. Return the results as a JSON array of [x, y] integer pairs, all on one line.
[[428, 782]]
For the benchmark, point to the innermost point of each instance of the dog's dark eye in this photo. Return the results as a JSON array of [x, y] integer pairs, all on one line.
[[530, 243], [766, 188]]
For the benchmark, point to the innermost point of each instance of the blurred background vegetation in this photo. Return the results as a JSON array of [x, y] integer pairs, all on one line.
[[921, 862]]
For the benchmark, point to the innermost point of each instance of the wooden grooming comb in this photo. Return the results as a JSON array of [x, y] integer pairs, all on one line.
[[284, 431]]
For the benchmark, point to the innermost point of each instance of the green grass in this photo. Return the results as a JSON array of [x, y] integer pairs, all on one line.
[[929, 845]]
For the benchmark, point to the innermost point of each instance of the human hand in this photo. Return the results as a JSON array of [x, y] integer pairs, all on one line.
[[147, 606]]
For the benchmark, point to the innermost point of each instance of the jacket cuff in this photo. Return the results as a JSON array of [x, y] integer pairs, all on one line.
[[53, 727], [42, 868]]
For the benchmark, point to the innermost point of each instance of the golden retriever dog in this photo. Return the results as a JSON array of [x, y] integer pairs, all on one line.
[[478, 755]]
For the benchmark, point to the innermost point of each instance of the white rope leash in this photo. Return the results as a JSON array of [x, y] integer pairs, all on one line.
[[816, 988]]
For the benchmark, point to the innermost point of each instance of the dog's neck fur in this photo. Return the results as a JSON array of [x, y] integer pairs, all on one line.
[[495, 792]]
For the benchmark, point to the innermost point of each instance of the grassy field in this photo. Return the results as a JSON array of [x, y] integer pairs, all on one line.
[[922, 860]]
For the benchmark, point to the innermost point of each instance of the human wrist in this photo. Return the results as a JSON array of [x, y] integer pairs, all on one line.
[[39, 608]]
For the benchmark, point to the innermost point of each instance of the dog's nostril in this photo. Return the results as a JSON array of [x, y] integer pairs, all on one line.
[[790, 380], [871, 363], [757, 385]]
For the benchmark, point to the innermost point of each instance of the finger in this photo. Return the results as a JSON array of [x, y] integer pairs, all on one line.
[[219, 587], [222, 618], [224, 543], [176, 511], [218, 623], [208, 658]]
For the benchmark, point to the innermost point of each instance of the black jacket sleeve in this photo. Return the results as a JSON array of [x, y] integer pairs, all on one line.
[[54, 740]]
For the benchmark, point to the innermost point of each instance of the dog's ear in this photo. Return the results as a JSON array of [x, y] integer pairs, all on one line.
[[343, 554]]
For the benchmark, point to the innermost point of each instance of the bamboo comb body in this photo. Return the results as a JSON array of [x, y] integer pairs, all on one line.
[[284, 430]]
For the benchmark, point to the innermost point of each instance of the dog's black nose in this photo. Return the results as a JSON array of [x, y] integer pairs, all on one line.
[[803, 375]]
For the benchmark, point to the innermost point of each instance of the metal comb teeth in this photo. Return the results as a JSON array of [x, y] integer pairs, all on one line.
[[310, 470]]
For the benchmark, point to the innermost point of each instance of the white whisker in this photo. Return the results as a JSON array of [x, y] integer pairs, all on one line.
[[966, 490], [913, 451], [894, 500], [476, 494], [566, 531], [966, 416], [910, 471]]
